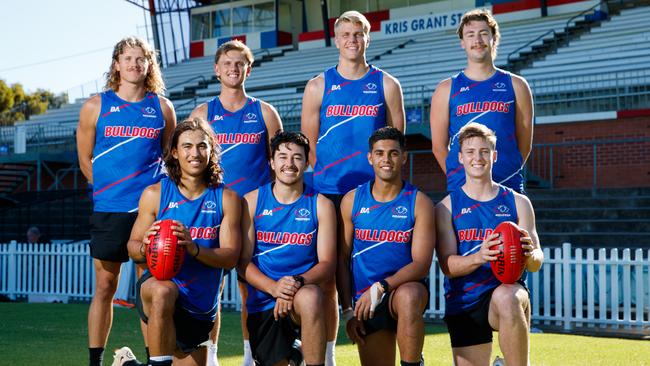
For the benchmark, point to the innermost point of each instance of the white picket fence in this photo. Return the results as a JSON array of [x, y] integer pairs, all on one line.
[[574, 288]]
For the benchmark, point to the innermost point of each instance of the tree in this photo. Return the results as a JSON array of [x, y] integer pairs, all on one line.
[[16, 105]]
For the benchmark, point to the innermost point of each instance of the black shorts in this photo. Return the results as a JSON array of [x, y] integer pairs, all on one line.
[[336, 200], [190, 332], [472, 327], [382, 319], [271, 341], [109, 234]]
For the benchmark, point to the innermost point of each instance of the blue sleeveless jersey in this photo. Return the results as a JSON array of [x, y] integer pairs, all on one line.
[[127, 153], [350, 112], [285, 242], [383, 233], [491, 103], [198, 284], [243, 139], [473, 221]]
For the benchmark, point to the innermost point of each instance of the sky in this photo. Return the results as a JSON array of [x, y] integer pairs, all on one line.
[[64, 44]]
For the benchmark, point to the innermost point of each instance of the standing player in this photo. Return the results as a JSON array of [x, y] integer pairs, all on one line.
[[388, 243], [120, 137], [340, 109], [243, 125], [180, 313], [482, 93], [289, 249], [476, 302]]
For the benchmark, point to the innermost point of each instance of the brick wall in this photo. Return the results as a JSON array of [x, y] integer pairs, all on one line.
[[618, 165]]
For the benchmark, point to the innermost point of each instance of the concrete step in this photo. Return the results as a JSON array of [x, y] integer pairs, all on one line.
[[596, 239], [598, 225], [586, 202], [593, 213]]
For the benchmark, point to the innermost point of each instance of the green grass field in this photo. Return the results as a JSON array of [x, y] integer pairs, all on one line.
[[55, 334]]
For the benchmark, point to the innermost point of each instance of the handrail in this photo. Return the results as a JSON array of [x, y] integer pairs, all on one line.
[[581, 14]]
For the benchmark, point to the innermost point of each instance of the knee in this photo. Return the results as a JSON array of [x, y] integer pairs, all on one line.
[[163, 297], [105, 287], [410, 299], [307, 299], [510, 301]]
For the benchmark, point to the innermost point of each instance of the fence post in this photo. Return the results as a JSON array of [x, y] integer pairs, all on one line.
[[11, 288], [595, 173], [566, 278]]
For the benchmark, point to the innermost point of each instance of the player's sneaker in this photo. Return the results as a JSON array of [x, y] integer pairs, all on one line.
[[499, 362], [123, 303], [124, 357]]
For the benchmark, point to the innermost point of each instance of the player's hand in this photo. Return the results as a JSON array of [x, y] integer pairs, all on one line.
[[152, 230], [355, 330], [526, 242], [282, 308], [285, 288], [485, 254], [363, 309], [182, 234]]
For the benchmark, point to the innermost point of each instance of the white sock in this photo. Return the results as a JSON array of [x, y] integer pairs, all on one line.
[[161, 358], [212, 354], [248, 354], [330, 360]]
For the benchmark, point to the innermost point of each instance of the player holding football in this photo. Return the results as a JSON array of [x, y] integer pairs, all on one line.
[[244, 125], [120, 138], [476, 302], [289, 249], [340, 109], [387, 247], [180, 313], [482, 93]]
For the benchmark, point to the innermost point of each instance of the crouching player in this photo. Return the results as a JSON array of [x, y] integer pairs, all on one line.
[[289, 249], [476, 302], [388, 244], [180, 312]]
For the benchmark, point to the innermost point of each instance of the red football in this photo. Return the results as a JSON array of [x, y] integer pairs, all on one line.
[[511, 262], [164, 255]]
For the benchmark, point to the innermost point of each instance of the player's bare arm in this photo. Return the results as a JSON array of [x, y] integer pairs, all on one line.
[[395, 116], [452, 264], [201, 111], [144, 224], [86, 135], [310, 115], [439, 120], [227, 254], [169, 115], [272, 120], [324, 270], [353, 328], [284, 288], [530, 240], [523, 116]]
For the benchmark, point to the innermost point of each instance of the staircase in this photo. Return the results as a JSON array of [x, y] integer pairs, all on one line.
[[612, 218]]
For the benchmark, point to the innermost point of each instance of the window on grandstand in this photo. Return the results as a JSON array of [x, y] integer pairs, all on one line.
[[221, 23], [264, 17], [200, 26], [242, 20]]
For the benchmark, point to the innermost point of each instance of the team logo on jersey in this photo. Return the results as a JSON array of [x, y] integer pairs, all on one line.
[[217, 118], [464, 89], [172, 205], [480, 107], [364, 210], [466, 210], [267, 213], [250, 118], [115, 109], [335, 87], [149, 112], [399, 212], [502, 211], [302, 214], [370, 88], [209, 207], [499, 86]]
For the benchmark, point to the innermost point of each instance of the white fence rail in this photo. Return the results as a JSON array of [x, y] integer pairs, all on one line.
[[574, 288]]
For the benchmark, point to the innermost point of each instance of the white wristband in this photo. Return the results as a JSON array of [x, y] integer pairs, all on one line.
[[375, 297], [348, 314]]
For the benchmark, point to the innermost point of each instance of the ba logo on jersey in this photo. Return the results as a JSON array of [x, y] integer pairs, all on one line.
[[364, 210], [502, 211], [267, 213], [250, 118], [172, 205], [208, 207], [217, 118], [399, 212], [335, 87], [149, 112], [499, 86], [370, 88], [302, 214], [465, 210], [464, 89], [115, 109]]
